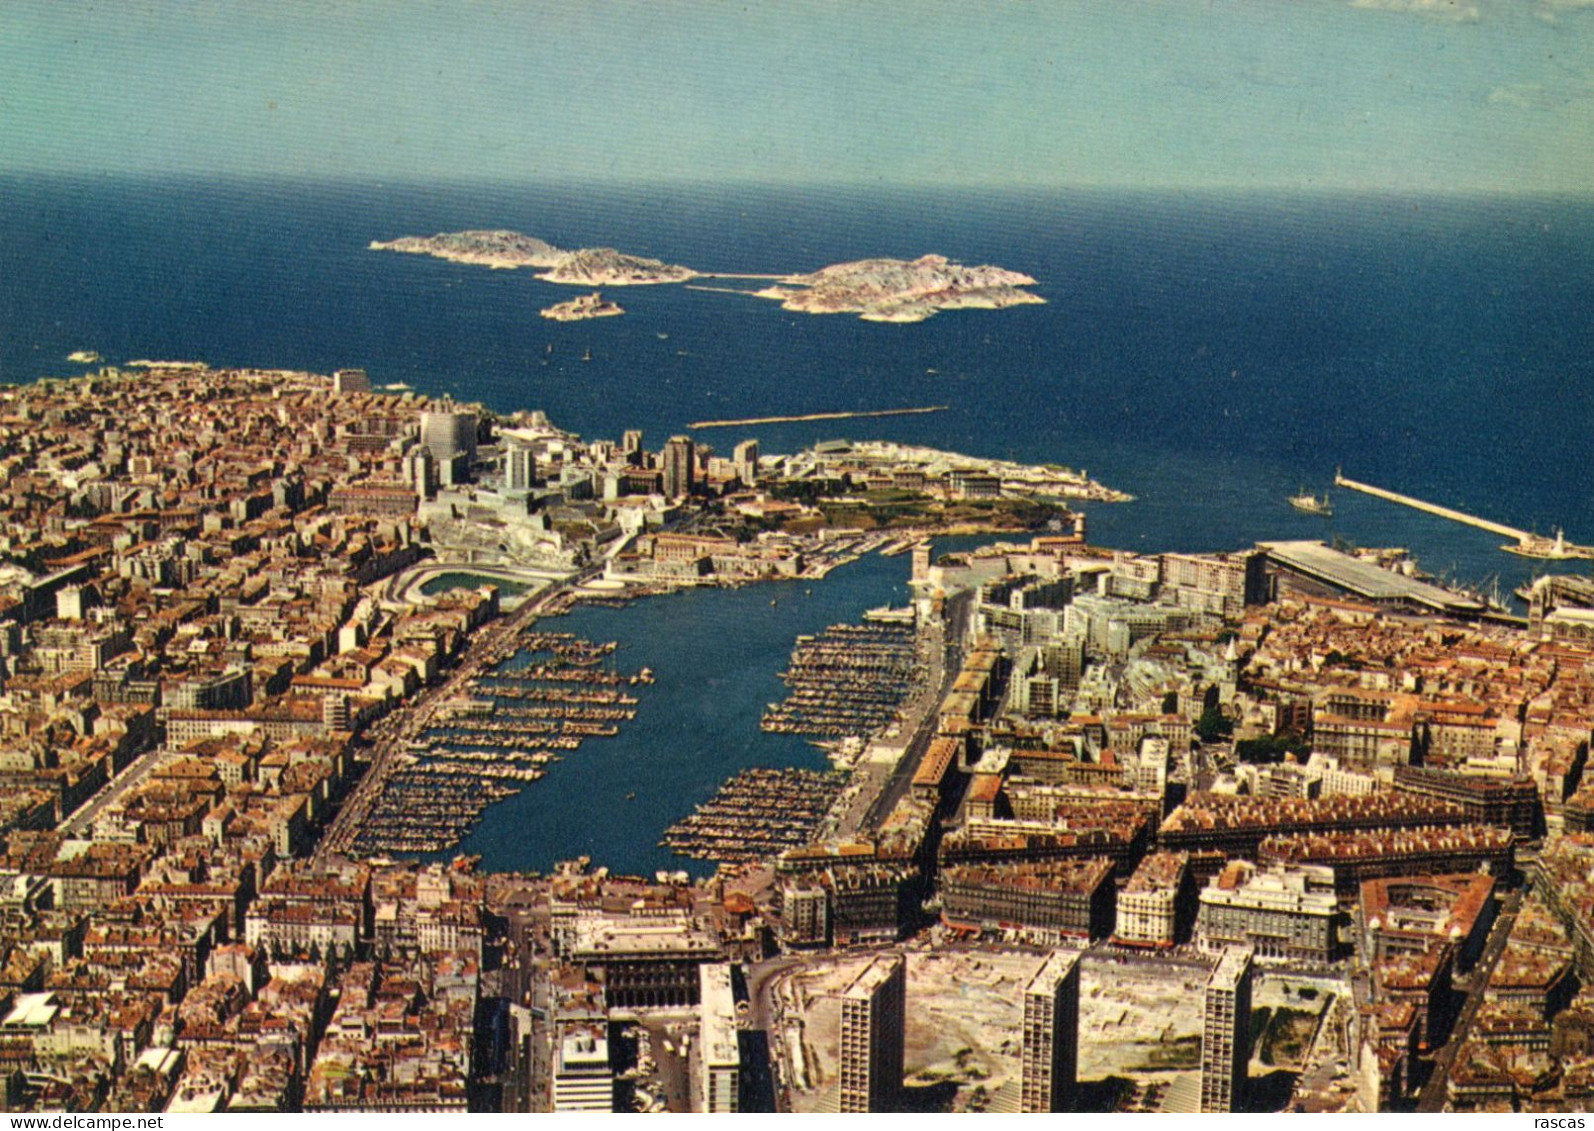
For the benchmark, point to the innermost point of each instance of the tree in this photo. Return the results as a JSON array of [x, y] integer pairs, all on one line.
[[1212, 725], [1421, 743], [1170, 703], [1271, 748]]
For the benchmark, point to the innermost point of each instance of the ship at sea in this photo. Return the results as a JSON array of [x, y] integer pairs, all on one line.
[[1306, 501]]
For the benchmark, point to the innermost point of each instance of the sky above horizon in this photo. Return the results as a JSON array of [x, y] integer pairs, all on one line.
[[1404, 95]]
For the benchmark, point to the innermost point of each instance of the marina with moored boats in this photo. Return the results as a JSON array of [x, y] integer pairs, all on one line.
[[545, 698], [756, 814], [848, 680]]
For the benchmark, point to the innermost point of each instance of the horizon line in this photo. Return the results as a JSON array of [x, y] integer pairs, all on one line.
[[725, 183]]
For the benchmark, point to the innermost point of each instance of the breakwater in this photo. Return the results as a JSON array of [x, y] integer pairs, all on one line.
[[802, 417], [1527, 544]]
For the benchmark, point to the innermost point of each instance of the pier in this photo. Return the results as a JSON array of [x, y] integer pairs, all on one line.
[[1527, 544], [817, 416]]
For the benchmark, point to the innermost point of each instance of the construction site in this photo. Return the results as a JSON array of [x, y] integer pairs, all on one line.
[[1139, 1029]]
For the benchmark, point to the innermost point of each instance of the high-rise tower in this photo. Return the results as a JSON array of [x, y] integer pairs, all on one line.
[[745, 456], [520, 468], [680, 467], [1050, 1058], [1226, 1031], [873, 1017]]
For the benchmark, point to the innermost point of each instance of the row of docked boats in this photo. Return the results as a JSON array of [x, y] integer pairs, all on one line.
[[541, 701], [848, 680], [844, 548], [757, 814]]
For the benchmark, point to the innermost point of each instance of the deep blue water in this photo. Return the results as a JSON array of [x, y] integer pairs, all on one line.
[[1208, 353]]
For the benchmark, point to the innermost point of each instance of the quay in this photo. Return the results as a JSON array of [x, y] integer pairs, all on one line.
[[818, 416], [467, 761], [390, 758], [1527, 544]]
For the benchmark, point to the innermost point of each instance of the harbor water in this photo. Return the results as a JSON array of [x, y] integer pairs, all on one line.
[[716, 655]]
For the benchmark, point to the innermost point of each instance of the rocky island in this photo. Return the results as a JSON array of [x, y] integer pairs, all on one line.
[[604, 266], [499, 249], [581, 307], [503, 249], [899, 290], [877, 290]]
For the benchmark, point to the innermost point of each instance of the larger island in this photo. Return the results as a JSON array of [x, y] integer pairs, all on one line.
[[899, 290]]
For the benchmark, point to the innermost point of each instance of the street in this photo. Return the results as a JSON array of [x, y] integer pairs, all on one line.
[[1434, 1094], [955, 629], [80, 822]]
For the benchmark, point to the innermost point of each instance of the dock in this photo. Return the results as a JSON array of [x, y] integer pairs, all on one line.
[[1526, 543], [850, 680], [757, 814]]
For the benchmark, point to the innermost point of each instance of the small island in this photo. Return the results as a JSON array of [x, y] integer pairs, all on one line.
[[84, 357], [899, 290], [582, 307], [505, 250]]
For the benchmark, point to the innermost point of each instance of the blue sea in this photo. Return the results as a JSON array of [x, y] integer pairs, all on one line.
[[1209, 353]]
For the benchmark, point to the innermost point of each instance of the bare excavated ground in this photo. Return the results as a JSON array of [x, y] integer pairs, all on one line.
[[1138, 1022]]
